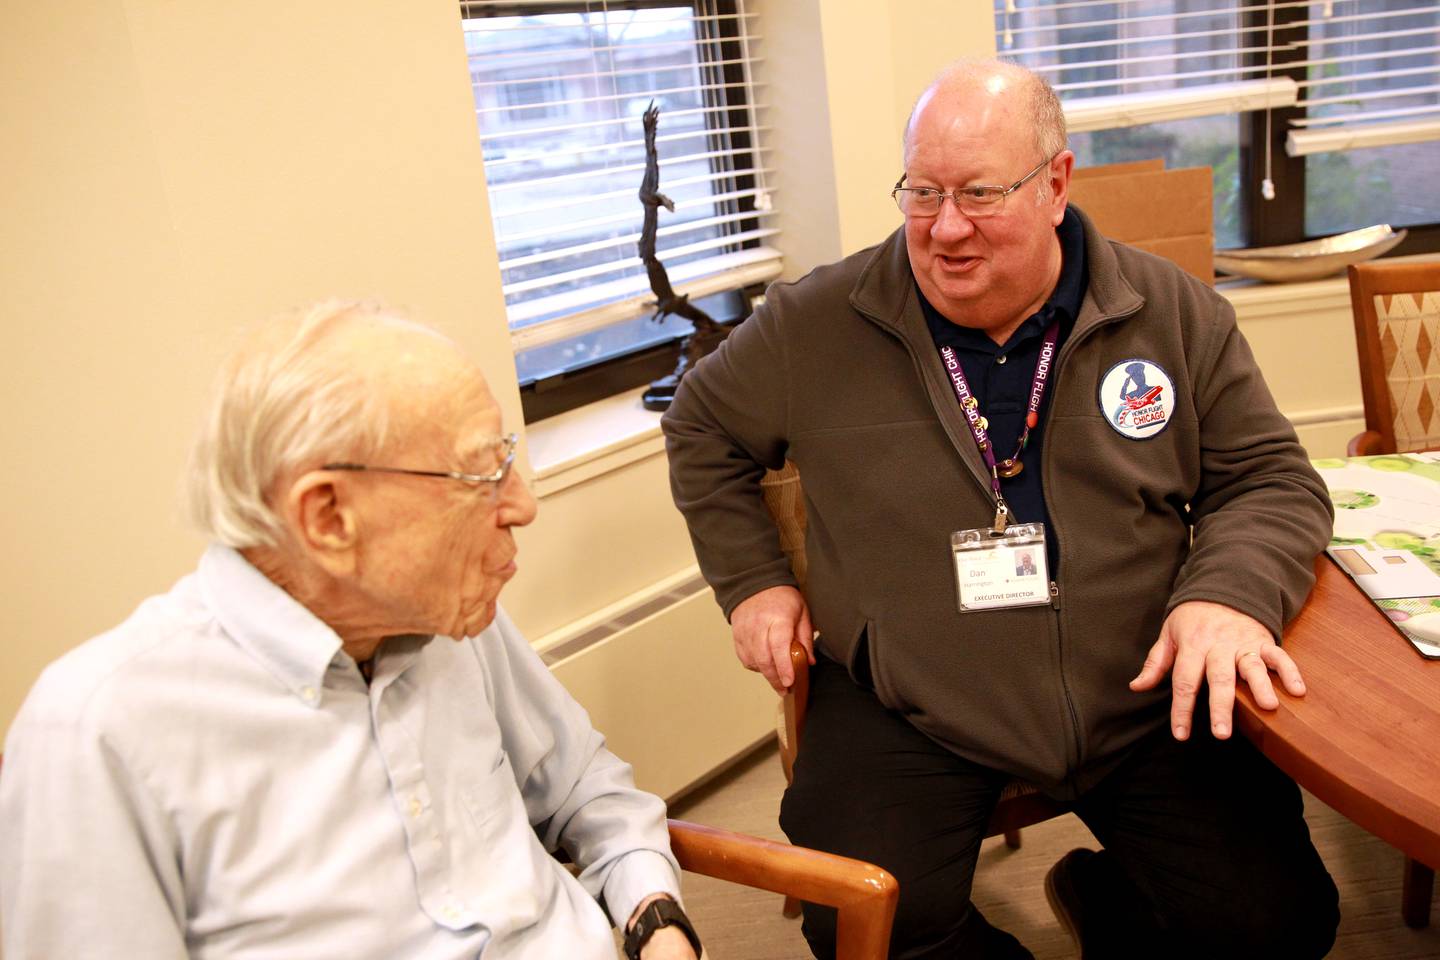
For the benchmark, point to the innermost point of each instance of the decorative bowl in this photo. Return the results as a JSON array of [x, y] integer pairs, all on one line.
[[1310, 260]]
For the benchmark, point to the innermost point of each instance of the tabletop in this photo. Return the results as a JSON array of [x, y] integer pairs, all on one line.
[[1365, 738]]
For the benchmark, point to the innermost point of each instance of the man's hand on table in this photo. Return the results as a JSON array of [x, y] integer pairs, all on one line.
[[1212, 642], [763, 626]]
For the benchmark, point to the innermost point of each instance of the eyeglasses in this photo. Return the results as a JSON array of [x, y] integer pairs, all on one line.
[[503, 449], [978, 201]]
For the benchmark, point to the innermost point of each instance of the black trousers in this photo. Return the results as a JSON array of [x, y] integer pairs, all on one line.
[[1206, 851]]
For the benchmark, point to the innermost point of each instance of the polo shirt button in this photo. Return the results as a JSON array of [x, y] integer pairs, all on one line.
[[1000, 359]]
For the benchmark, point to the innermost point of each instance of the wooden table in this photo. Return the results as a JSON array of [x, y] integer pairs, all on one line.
[[1366, 737]]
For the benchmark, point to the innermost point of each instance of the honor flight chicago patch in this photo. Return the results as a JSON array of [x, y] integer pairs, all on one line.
[[1137, 398]]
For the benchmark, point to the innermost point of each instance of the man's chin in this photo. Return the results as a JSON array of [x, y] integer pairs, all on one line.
[[476, 623]]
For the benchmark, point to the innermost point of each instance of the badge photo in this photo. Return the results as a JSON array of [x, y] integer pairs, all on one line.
[[1137, 398]]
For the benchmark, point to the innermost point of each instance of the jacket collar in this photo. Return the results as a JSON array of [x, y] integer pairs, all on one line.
[[885, 290]]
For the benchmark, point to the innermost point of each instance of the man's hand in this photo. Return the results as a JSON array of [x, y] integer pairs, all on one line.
[[763, 626], [1215, 642], [668, 943]]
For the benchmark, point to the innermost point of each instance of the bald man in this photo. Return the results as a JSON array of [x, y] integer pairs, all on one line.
[[330, 741], [997, 381]]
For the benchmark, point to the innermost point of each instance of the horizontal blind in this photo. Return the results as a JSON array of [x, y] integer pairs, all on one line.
[[1118, 63], [1371, 67], [559, 88], [1372, 76]]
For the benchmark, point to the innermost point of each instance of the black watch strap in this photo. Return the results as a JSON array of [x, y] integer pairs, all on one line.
[[663, 912]]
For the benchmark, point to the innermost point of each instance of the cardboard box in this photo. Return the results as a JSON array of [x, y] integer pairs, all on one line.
[[1165, 212], [1116, 169]]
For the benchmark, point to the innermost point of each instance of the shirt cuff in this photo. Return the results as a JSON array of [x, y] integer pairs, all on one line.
[[633, 878]]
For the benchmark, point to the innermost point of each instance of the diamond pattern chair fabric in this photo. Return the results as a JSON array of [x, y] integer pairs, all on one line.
[[1397, 336]]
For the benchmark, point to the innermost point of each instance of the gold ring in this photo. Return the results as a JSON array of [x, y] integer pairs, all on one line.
[[1250, 653]]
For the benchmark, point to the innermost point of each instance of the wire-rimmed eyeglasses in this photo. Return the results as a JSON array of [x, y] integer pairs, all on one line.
[[981, 200], [504, 450]]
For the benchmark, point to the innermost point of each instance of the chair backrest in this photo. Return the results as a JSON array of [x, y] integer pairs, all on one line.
[[1397, 337], [786, 502]]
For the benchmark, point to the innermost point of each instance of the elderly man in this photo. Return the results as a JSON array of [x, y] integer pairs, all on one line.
[[994, 379], [329, 741]]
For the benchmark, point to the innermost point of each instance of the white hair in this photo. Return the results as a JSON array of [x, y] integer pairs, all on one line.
[[281, 403], [1047, 116]]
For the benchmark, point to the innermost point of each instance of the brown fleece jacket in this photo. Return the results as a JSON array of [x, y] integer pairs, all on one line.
[[838, 373]]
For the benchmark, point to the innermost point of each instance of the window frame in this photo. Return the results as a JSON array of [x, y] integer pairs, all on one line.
[[1282, 220], [718, 40]]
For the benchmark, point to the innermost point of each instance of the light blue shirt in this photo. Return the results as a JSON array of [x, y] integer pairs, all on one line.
[[214, 779]]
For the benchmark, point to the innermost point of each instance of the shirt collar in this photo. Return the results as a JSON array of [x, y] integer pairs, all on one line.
[[1074, 274], [1064, 301], [291, 643]]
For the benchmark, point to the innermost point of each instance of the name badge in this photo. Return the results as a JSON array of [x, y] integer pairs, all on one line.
[[1000, 570]]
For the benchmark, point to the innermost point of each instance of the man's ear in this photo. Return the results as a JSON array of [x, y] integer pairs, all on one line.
[[1059, 173], [324, 521]]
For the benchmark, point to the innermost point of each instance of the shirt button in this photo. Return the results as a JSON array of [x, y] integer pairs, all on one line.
[[415, 806], [450, 912], [1000, 359], [309, 694]]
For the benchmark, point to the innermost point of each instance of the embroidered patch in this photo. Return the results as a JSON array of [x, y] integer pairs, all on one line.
[[1137, 398]]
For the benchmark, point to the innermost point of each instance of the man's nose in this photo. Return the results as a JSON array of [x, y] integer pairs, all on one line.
[[950, 223], [517, 504]]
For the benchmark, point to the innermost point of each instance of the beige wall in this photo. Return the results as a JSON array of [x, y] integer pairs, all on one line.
[[841, 76], [171, 171]]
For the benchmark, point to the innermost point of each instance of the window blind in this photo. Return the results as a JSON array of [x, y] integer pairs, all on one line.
[[1372, 76], [1119, 63], [1371, 68], [560, 87]]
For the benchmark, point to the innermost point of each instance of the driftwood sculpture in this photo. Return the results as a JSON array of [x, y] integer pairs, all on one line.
[[708, 333]]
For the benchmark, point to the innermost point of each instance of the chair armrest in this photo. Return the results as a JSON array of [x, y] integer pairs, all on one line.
[[863, 894], [792, 709], [1367, 444]]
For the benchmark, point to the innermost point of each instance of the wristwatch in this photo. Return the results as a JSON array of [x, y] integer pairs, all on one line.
[[660, 913]]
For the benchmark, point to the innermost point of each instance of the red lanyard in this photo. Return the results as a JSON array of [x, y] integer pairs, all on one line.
[[979, 426]]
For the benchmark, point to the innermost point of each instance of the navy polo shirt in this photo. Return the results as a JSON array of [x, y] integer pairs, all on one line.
[[1000, 377]]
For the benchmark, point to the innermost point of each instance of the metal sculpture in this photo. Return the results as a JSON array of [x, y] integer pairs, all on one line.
[[708, 333]]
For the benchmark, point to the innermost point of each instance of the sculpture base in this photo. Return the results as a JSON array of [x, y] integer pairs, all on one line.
[[660, 393]]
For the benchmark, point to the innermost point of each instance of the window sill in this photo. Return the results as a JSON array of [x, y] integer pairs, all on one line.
[[1254, 299], [592, 440]]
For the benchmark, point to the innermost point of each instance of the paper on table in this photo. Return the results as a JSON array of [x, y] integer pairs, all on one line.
[[1387, 537]]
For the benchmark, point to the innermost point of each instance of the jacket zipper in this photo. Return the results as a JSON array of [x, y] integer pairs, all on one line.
[[1065, 351], [1070, 346]]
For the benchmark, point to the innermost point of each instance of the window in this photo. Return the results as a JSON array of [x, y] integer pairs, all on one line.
[[1374, 83], [1253, 90], [560, 89]]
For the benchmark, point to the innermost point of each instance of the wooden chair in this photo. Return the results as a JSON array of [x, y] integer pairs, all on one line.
[[1397, 338], [1021, 804], [863, 895]]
